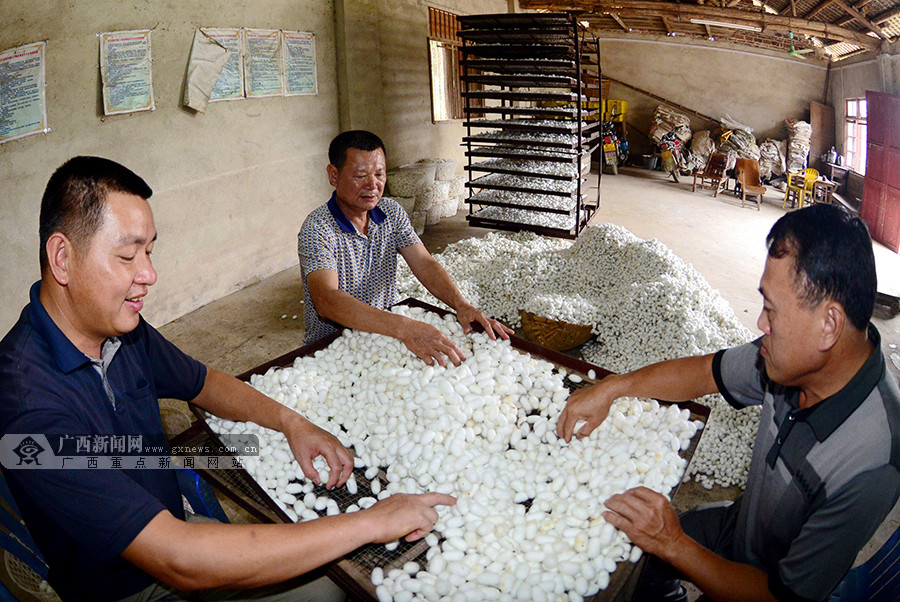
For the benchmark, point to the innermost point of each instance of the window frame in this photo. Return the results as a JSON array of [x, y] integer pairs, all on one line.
[[855, 134]]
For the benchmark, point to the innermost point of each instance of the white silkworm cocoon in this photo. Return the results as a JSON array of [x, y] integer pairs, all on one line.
[[377, 576], [483, 432], [411, 568], [351, 485], [391, 546]]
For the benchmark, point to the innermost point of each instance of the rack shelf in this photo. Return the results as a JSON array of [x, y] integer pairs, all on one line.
[[529, 138]]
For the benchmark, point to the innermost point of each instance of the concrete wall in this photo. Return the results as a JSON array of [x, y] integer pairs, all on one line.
[[231, 187], [385, 81], [853, 78], [758, 90]]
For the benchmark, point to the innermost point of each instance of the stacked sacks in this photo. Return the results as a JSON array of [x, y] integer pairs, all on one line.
[[799, 133], [771, 160], [741, 140], [666, 120], [424, 190], [701, 148], [445, 172], [458, 191]]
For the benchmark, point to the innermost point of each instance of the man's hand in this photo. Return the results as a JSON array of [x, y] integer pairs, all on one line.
[[412, 516], [308, 441], [430, 344], [647, 518], [468, 314], [590, 404]]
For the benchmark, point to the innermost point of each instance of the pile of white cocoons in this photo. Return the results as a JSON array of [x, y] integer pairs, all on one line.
[[528, 523], [645, 305]]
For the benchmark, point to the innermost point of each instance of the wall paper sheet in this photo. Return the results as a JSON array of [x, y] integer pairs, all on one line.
[[299, 51], [23, 106], [230, 85], [125, 69], [262, 63]]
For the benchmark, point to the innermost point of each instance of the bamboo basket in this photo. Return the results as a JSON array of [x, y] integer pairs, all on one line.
[[554, 334]]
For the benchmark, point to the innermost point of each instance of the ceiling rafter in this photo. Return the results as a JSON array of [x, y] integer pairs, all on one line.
[[817, 9], [862, 19], [619, 20], [685, 12], [877, 19]]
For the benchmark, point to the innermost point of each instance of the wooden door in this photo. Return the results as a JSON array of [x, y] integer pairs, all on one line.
[[881, 196], [821, 119]]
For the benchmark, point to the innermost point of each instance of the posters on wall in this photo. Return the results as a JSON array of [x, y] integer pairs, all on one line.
[[208, 58], [299, 51], [125, 70], [230, 84], [262, 63], [23, 107]]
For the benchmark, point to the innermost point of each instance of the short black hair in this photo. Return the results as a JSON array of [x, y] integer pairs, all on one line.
[[833, 258], [75, 198], [358, 139]]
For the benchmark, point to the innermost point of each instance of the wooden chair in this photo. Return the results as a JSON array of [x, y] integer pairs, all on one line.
[[799, 186], [713, 175], [746, 172]]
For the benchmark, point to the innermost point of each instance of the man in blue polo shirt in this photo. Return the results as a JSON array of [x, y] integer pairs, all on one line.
[[82, 361], [348, 255], [824, 472]]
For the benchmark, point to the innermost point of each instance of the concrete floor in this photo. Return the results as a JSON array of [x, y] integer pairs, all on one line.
[[724, 242]]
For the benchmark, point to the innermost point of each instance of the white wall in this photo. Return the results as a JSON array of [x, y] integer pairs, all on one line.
[[231, 187], [385, 83], [715, 79]]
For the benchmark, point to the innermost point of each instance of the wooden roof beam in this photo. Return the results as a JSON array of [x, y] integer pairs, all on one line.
[[685, 12], [818, 8], [666, 24], [878, 19], [619, 20], [733, 3], [862, 19]]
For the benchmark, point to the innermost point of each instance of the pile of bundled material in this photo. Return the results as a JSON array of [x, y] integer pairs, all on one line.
[[799, 133], [701, 148], [666, 120], [771, 159], [741, 140], [428, 190]]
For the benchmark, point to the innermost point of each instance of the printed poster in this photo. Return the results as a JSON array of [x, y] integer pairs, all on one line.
[[299, 51], [23, 106], [230, 85], [262, 63], [125, 68]]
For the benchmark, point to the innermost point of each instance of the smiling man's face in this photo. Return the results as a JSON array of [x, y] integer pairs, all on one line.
[[108, 280]]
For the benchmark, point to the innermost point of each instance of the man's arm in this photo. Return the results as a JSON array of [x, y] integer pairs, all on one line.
[[435, 278], [650, 522], [679, 379], [192, 556], [424, 340], [229, 398]]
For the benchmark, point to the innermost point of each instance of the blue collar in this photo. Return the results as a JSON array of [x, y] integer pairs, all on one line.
[[66, 355], [376, 215]]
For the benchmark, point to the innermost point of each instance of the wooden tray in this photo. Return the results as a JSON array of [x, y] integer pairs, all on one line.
[[352, 572]]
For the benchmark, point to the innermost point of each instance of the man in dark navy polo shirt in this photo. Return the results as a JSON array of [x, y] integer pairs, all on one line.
[[824, 472], [82, 361], [348, 251]]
